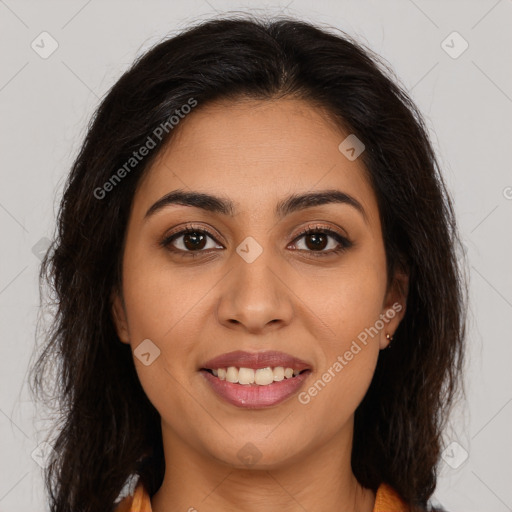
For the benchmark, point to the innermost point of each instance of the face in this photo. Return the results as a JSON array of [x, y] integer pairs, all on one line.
[[250, 280]]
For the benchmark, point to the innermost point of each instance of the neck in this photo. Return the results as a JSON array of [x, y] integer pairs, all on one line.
[[319, 479]]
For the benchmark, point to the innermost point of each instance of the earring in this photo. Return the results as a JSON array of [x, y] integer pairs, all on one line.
[[390, 339]]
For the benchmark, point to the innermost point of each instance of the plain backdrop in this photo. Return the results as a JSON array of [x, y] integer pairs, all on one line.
[[454, 59]]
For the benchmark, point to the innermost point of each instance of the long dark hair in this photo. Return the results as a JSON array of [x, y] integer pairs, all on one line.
[[108, 430]]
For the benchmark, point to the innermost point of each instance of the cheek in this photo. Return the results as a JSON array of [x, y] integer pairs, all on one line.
[[163, 301], [332, 397], [171, 395], [165, 306], [350, 304], [349, 355], [348, 300]]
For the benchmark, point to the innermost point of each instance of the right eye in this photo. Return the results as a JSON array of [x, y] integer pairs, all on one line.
[[191, 241]]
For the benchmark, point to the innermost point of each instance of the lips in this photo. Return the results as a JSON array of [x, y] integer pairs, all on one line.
[[261, 394], [255, 360]]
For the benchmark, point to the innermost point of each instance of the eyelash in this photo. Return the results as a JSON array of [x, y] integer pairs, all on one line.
[[344, 243]]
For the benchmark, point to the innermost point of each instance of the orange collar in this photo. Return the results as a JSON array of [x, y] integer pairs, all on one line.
[[386, 500]]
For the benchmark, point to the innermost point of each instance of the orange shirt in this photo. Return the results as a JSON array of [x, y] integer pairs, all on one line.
[[386, 500]]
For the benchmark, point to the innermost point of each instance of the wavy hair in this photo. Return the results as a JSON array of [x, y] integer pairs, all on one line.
[[107, 429]]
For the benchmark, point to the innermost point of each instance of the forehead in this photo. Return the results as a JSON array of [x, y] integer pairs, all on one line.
[[255, 152]]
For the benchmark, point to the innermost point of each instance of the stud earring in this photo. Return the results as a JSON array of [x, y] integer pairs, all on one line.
[[390, 339]]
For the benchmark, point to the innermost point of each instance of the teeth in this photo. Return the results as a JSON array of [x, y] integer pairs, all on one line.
[[278, 374], [264, 376], [261, 377], [232, 374], [245, 376]]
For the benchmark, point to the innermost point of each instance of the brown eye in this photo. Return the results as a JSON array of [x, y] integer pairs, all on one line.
[[318, 239], [194, 240], [189, 241]]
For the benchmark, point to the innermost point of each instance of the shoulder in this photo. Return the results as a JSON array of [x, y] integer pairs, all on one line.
[[388, 500], [139, 501]]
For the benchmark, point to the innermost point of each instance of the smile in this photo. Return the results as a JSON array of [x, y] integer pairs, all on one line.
[[258, 377], [252, 395]]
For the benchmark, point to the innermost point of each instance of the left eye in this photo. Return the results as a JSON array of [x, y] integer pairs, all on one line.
[[316, 238]]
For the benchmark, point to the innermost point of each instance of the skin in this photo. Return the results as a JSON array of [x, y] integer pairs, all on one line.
[[256, 153]]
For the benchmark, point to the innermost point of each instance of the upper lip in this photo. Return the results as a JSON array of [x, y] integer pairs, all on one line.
[[255, 360]]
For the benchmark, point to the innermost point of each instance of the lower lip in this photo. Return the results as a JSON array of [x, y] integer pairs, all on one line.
[[253, 396]]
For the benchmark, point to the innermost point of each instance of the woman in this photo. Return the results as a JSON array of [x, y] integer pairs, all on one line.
[[259, 303]]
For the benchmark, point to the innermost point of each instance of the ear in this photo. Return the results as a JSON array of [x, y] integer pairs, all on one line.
[[119, 317], [394, 306]]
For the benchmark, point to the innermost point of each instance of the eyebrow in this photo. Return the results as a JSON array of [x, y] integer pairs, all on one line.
[[225, 206]]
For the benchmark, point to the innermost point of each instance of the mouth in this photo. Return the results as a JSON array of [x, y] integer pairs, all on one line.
[[255, 377], [255, 380]]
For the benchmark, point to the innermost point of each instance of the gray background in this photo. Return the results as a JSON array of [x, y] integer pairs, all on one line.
[[467, 101]]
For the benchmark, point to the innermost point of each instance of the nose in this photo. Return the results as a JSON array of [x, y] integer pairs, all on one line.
[[255, 296]]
